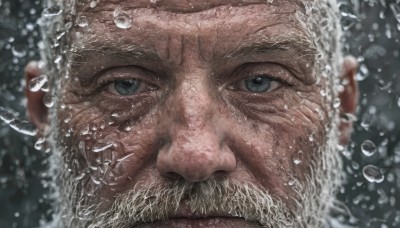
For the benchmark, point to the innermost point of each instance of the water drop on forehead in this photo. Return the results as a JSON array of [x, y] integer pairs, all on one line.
[[52, 11], [122, 19], [368, 148]]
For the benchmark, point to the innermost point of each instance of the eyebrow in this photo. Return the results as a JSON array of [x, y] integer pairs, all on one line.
[[293, 44], [296, 44], [91, 52]]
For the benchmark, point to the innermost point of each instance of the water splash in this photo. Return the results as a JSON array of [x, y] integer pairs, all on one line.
[[24, 127]]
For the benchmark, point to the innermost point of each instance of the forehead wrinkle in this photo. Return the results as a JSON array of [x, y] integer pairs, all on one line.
[[179, 6]]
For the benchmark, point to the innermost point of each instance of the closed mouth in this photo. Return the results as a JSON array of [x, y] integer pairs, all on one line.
[[200, 222]]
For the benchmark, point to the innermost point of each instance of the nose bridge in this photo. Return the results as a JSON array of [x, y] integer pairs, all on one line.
[[193, 104]]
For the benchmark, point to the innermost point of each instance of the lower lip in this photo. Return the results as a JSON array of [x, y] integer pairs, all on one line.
[[214, 222]]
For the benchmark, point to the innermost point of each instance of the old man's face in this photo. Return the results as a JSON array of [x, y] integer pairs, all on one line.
[[195, 114]]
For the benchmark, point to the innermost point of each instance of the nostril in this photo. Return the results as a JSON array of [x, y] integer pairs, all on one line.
[[220, 173], [172, 176]]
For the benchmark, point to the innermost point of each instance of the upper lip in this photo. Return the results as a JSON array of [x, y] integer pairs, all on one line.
[[185, 212]]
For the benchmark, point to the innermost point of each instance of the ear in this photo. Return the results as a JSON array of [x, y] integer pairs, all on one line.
[[348, 97], [36, 110]]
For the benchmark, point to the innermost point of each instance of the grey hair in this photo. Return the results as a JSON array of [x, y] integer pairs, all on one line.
[[320, 20]]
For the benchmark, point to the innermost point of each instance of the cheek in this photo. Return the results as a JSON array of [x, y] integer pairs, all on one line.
[[106, 137], [279, 145]]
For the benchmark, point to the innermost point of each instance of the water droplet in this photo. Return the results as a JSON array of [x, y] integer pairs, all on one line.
[[99, 147], [348, 20], [398, 102], [291, 182], [122, 19], [349, 117], [39, 143], [52, 11], [93, 4], [68, 26], [311, 137], [363, 73], [82, 21], [368, 148], [35, 84], [80, 176], [336, 103], [58, 59], [373, 174], [396, 11], [48, 100], [18, 51], [125, 157], [85, 130], [24, 127], [45, 88], [6, 116], [298, 157]]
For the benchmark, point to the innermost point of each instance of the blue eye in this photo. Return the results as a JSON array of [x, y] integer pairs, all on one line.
[[258, 84], [126, 87]]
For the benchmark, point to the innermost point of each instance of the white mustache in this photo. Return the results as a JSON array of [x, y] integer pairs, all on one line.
[[226, 197]]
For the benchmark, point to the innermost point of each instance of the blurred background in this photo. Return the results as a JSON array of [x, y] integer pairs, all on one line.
[[372, 35]]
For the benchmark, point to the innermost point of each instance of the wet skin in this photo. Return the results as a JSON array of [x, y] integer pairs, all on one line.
[[192, 114]]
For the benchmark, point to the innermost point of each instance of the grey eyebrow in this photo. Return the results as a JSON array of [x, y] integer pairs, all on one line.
[[90, 52], [296, 44]]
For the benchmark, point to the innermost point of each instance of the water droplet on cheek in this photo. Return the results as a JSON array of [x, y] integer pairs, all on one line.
[[82, 21], [298, 157], [99, 147]]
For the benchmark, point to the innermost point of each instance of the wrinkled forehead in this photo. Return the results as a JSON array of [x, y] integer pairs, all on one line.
[[179, 6]]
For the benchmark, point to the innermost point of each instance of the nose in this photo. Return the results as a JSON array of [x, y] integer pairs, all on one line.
[[197, 148], [195, 156]]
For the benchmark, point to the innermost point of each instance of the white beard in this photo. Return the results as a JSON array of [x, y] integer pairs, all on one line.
[[311, 207]]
